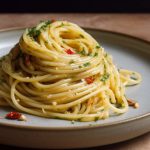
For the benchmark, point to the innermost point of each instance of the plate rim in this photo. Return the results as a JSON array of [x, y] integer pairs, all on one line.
[[93, 126]]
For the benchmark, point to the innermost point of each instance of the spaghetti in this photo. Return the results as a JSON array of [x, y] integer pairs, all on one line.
[[57, 70]]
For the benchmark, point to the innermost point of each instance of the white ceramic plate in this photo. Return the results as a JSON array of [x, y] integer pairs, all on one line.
[[37, 132]]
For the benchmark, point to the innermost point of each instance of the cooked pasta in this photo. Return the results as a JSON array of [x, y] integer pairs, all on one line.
[[57, 70]]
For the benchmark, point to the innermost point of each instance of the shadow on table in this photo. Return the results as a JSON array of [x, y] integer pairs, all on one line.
[[130, 144]]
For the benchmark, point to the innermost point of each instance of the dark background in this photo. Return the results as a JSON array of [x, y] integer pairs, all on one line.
[[121, 6]]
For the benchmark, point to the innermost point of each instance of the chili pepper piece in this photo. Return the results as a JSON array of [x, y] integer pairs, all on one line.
[[70, 52], [13, 115], [89, 80]]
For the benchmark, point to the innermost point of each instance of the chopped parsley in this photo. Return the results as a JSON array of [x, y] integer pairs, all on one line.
[[80, 66], [96, 118], [34, 32], [86, 64], [89, 54], [105, 77], [96, 54], [46, 23], [82, 52], [105, 67], [81, 36], [97, 47]]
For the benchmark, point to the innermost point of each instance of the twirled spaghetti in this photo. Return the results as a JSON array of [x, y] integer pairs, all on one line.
[[57, 70]]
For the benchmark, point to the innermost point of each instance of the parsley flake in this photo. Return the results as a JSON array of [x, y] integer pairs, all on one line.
[[46, 23], [81, 36], [97, 47], [89, 54], [96, 118], [82, 52], [33, 32], [105, 77], [86, 64], [96, 54]]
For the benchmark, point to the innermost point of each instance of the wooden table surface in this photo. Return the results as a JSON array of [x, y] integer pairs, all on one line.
[[137, 25]]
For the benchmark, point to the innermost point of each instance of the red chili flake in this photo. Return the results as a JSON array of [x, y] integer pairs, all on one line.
[[89, 80], [27, 60], [70, 52], [13, 115]]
